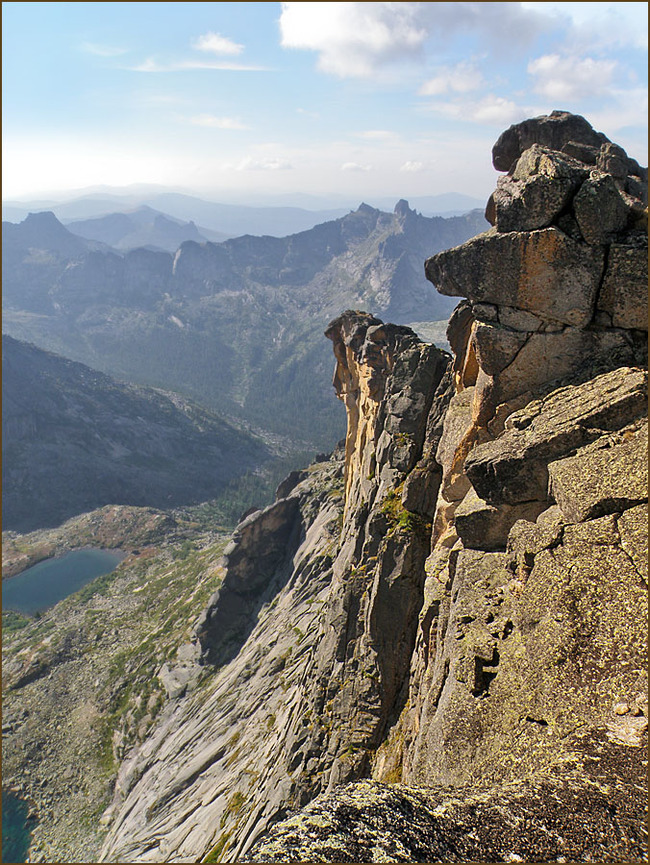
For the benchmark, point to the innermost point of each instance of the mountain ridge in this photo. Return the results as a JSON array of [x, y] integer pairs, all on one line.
[[74, 439], [235, 326]]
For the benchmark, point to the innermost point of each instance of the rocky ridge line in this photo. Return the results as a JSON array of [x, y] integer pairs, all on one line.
[[449, 573], [530, 660]]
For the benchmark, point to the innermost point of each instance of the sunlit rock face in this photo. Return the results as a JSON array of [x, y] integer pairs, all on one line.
[[467, 573]]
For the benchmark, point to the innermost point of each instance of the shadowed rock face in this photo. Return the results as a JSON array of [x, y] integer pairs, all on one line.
[[528, 675], [467, 575]]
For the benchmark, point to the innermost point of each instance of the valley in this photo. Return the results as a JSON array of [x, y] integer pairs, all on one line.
[[236, 326]]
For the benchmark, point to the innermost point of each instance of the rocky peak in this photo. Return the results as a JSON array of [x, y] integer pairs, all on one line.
[[472, 609], [402, 210], [43, 230], [366, 350], [553, 130]]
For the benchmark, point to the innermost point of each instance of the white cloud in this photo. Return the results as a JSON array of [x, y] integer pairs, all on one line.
[[151, 65], [217, 44], [213, 122], [357, 39], [264, 164], [462, 78], [354, 166], [412, 167], [102, 50], [491, 110], [568, 78], [352, 38]]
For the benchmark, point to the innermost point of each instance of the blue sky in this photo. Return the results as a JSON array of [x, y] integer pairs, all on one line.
[[246, 100]]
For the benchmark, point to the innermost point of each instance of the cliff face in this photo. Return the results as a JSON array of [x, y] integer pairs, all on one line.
[[456, 601]]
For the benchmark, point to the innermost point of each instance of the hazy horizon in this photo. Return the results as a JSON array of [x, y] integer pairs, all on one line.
[[260, 101]]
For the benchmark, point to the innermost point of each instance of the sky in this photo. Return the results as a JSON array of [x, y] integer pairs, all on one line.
[[244, 101]]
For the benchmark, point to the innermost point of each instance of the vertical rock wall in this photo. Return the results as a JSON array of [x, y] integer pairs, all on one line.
[[533, 624], [460, 597]]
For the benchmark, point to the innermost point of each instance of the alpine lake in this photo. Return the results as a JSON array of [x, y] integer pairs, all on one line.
[[31, 592]]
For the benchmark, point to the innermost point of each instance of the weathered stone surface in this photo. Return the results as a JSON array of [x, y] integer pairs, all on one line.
[[543, 272], [600, 210], [513, 468], [554, 130], [537, 191], [545, 357], [607, 476], [481, 526], [624, 293], [497, 346], [633, 529], [373, 822], [519, 319], [457, 420], [515, 655], [586, 153], [367, 351], [485, 312], [613, 160]]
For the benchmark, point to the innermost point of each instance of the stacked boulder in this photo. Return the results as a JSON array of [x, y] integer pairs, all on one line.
[[533, 623], [558, 285]]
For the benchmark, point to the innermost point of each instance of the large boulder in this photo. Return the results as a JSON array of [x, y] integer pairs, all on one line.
[[554, 131], [543, 272]]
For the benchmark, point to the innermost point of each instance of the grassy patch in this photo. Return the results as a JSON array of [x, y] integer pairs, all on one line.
[[215, 854], [12, 621], [400, 519]]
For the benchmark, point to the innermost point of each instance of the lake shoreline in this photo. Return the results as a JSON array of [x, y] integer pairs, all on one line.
[[61, 553], [43, 585], [28, 822]]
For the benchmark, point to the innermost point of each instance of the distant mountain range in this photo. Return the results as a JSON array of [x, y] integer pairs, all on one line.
[[237, 326], [296, 213], [74, 439], [227, 220], [142, 227]]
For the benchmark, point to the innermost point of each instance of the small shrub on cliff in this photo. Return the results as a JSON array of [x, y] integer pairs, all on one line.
[[399, 518]]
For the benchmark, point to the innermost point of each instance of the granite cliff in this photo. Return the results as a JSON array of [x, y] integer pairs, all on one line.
[[453, 606], [432, 645]]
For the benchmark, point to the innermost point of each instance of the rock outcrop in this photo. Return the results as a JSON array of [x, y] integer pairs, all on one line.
[[455, 604], [530, 654]]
